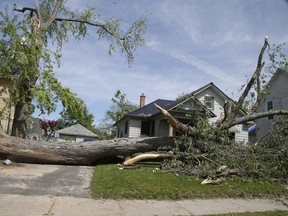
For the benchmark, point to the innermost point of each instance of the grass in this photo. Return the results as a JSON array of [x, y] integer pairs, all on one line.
[[108, 182]]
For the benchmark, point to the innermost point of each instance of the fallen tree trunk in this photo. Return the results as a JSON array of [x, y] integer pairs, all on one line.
[[84, 153]]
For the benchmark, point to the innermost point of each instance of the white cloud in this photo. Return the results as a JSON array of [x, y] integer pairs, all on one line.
[[189, 44], [204, 66]]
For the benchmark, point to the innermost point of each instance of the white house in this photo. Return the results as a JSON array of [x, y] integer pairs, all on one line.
[[148, 121], [275, 98], [211, 96]]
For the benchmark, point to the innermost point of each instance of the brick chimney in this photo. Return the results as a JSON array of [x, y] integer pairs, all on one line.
[[142, 100]]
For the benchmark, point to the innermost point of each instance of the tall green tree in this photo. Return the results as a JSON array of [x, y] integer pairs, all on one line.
[[121, 106], [25, 49], [79, 114]]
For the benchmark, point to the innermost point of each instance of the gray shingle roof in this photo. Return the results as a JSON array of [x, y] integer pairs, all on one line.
[[77, 130], [150, 109]]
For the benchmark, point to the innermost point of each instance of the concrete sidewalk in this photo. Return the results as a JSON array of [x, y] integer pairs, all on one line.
[[14, 205]]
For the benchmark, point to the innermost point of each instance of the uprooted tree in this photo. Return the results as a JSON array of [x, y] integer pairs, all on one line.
[[27, 61], [201, 146]]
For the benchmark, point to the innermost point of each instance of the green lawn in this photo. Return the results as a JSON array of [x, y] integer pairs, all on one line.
[[109, 182]]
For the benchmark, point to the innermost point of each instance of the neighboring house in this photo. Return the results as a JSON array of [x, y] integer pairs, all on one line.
[[275, 98], [6, 81], [148, 121], [75, 133], [6, 111], [211, 96]]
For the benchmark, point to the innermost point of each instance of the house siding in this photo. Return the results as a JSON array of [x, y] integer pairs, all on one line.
[[157, 127], [278, 93], [8, 114], [218, 103], [241, 131], [163, 128], [134, 128]]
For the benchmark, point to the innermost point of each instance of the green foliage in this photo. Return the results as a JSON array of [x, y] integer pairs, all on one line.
[[272, 153], [200, 154], [24, 52], [77, 113], [121, 106], [210, 148], [183, 96], [278, 58]]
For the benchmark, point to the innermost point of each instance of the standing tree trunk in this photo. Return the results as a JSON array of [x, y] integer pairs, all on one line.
[[21, 115], [20, 121], [43, 24]]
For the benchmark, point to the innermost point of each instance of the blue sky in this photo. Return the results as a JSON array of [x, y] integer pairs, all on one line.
[[189, 43]]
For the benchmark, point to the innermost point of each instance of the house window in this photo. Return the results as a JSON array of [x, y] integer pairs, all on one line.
[[209, 102], [231, 136], [118, 132], [270, 106], [126, 127], [145, 128]]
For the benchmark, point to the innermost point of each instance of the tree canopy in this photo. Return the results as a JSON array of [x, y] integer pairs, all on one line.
[[121, 106], [25, 50]]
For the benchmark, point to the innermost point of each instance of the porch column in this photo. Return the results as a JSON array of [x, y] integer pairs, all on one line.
[[170, 130]]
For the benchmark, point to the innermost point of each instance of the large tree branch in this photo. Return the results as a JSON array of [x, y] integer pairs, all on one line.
[[177, 125], [53, 15], [24, 9], [254, 117], [252, 80], [88, 23]]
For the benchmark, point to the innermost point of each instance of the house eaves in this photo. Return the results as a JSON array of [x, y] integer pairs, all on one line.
[[199, 107], [149, 110]]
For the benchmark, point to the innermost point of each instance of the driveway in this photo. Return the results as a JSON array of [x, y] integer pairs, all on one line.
[[39, 180]]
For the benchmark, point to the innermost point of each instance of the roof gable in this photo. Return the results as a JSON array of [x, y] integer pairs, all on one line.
[[276, 75], [218, 91], [77, 130], [214, 88]]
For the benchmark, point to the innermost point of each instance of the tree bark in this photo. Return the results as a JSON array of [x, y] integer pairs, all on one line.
[[20, 121], [85, 153], [183, 129], [255, 116]]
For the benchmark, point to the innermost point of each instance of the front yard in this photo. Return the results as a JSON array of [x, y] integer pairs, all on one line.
[[108, 182]]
